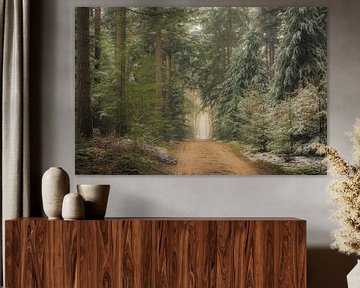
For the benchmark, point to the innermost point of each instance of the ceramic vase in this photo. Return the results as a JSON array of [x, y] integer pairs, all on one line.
[[353, 278], [96, 198], [73, 207], [55, 185]]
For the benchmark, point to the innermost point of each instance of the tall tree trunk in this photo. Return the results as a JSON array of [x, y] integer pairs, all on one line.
[[272, 52], [230, 36], [158, 56], [272, 56], [97, 37], [168, 75], [267, 53], [82, 74], [168, 66], [120, 58]]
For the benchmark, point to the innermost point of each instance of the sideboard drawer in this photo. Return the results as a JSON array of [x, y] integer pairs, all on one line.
[[156, 252]]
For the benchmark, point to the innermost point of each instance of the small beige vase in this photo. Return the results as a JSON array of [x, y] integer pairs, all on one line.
[[96, 198], [55, 185], [73, 207]]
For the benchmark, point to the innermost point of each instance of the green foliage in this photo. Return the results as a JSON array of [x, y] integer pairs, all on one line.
[[257, 108], [92, 158], [104, 89], [299, 121], [281, 138], [310, 106], [136, 163], [248, 112], [268, 23], [149, 118], [144, 106], [302, 53], [223, 29], [245, 75], [260, 71], [247, 69], [250, 122], [175, 127], [229, 118]]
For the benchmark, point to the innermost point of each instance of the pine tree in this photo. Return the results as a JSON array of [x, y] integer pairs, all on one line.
[[269, 23], [120, 56], [247, 69], [246, 72], [223, 28], [302, 52]]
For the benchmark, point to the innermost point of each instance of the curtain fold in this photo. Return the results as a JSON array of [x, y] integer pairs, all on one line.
[[15, 174]]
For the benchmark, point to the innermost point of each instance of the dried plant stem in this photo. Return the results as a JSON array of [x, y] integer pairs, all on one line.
[[345, 192]]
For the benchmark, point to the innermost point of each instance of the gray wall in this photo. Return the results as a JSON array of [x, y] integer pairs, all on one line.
[[52, 124]]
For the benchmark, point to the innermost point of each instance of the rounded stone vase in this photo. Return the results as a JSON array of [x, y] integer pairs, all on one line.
[[96, 198], [55, 185], [73, 207]]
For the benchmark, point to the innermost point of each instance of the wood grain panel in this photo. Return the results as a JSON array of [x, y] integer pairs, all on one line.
[[162, 254], [285, 254], [71, 247], [96, 254], [117, 234], [194, 251], [105, 256], [33, 253], [147, 261], [301, 254], [169, 253], [173, 248], [224, 255], [56, 256], [268, 253], [12, 251], [249, 234], [127, 260], [88, 254]]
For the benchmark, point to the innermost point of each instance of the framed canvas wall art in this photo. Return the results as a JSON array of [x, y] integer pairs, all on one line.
[[200, 90]]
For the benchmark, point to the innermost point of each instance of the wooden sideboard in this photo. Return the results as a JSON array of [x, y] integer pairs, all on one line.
[[156, 252]]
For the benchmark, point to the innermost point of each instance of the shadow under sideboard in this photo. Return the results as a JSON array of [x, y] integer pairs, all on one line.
[[328, 268]]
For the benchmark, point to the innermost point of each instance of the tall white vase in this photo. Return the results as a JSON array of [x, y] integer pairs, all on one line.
[[55, 185], [353, 278]]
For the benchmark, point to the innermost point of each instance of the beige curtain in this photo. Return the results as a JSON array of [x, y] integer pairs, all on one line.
[[14, 36]]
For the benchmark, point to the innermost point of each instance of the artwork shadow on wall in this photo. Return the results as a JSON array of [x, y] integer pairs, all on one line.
[[200, 91]]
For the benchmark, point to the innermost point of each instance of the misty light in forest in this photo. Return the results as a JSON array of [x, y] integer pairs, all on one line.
[[200, 90]]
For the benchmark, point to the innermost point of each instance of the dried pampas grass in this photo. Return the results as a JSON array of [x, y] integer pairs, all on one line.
[[345, 191]]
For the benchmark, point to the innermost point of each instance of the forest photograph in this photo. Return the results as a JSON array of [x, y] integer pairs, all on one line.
[[200, 90]]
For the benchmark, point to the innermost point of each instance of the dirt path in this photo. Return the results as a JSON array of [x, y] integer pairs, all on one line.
[[209, 157]]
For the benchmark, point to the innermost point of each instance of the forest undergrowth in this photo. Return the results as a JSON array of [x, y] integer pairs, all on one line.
[[113, 155], [281, 164], [147, 78]]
